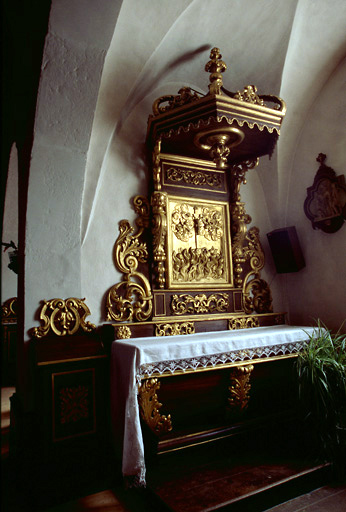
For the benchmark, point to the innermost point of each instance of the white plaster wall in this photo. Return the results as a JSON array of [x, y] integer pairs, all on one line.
[[158, 62], [10, 227], [319, 290], [78, 37]]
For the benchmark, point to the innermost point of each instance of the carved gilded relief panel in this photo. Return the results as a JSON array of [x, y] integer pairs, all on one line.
[[199, 244]]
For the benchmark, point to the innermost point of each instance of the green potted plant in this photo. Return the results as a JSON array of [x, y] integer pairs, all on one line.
[[321, 368]]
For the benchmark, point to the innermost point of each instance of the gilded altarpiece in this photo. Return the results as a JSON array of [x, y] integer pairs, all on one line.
[[193, 234]]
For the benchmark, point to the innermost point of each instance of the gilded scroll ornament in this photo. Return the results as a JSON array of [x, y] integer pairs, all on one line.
[[9, 310], [63, 317], [123, 332], [257, 296], [240, 387], [131, 299], [175, 329], [185, 96], [193, 265], [149, 406], [191, 177], [192, 304], [243, 322], [159, 232], [215, 67]]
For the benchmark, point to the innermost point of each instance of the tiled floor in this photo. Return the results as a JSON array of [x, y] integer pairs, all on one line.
[[114, 498]]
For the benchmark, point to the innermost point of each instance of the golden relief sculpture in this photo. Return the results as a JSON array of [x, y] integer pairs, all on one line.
[[202, 303], [63, 317], [199, 246], [243, 322], [131, 298], [149, 407], [240, 387], [193, 265], [193, 177], [174, 329]]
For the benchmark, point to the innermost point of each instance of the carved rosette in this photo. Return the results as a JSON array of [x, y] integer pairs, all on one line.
[[243, 322], [159, 231], [123, 332], [74, 404], [63, 317], [149, 406], [175, 329], [240, 388], [189, 304], [131, 299]]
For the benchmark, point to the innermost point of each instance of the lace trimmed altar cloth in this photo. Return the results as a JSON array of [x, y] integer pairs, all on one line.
[[135, 359]]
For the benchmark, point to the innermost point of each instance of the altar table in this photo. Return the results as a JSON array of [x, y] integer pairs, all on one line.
[[136, 359]]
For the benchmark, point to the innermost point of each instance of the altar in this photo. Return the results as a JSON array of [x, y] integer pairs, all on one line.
[[139, 365]]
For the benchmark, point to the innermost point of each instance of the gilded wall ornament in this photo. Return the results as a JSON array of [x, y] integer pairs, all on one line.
[[190, 304], [240, 387], [149, 406], [63, 317], [131, 299], [174, 329], [192, 177], [243, 322], [325, 204]]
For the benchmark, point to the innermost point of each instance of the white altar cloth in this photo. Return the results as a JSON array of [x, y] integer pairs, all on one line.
[[134, 359]]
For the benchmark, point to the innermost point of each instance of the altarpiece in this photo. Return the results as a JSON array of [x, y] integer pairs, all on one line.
[[201, 262]]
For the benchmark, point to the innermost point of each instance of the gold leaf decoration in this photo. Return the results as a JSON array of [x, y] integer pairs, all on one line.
[[131, 299], [189, 304], [243, 322], [63, 317], [175, 329], [149, 406], [196, 264]]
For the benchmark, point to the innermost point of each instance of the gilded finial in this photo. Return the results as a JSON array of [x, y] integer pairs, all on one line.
[[215, 67]]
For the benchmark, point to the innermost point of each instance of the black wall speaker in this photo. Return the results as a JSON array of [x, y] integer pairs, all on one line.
[[286, 250]]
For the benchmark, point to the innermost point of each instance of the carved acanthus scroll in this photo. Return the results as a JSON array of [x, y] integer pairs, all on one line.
[[240, 387], [131, 299], [149, 406]]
